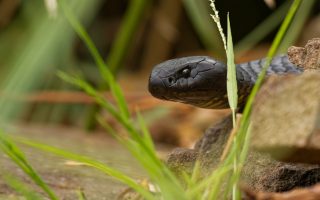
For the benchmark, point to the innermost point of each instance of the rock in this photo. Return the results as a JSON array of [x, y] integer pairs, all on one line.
[[286, 118], [212, 143], [208, 149], [284, 177], [182, 160], [312, 193], [307, 57], [261, 172]]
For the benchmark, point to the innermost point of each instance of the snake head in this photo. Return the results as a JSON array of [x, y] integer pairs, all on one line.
[[196, 80]]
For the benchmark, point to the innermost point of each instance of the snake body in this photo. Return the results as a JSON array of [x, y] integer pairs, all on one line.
[[201, 80]]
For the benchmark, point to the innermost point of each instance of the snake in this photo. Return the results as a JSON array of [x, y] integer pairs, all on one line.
[[201, 81]]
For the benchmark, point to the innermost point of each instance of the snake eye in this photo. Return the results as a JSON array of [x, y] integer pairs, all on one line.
[[186, 72]]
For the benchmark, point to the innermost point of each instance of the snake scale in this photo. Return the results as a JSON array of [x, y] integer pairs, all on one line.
[[201, 80]]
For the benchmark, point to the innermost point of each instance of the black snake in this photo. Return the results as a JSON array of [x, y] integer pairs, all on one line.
[[201, 80]]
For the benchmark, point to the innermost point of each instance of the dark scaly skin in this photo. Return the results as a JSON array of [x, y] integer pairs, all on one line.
[[201, 80]]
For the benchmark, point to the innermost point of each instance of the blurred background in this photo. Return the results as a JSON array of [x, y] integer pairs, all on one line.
[[132, 36]]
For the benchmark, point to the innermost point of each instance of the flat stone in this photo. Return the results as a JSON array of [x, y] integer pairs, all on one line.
[[286, 118]]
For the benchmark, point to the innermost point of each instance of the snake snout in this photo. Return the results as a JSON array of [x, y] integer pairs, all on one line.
[[157, 87]]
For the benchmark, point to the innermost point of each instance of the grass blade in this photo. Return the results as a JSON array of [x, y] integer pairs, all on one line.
[[105, 72], [232, 89], [232, 95], [263, 29], [89, 162], [242, 138], [138, 146], [81, 194], [20, 187], [216, 18], [145, 132], [16, 155], [297, 24], [131, 21], [198, 13]]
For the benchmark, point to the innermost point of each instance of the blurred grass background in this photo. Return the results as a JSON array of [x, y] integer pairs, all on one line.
[[132, 36]]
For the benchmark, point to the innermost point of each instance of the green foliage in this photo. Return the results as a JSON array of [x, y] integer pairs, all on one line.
[[232, 91], [20, 187], [119, 49], [232, 88], [140, 144], [17, 156], [36, 53], [297, 23], [81, 195], [89, 162], [125, 36], [105, 73]]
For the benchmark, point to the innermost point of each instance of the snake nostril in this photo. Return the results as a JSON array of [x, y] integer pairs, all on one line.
[[171, 80]]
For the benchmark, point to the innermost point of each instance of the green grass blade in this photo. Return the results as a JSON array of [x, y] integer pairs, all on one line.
[[89, 162], [133, 17], [271, 53], [145, 132], [232, 92], [232, 89], [243, 154], [91, 91], [137, 145], [81, 195], [263, 29], [102, 102], [208, 33], [219, 173], [20, 187], [216, 18], [16, 155], [195, 175], [125, 36], [242, 138], [35, 53], [105, 72], [134, 149], [296, 25]]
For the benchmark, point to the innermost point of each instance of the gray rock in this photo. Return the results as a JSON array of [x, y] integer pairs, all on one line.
[[261, 172], [286, 118]]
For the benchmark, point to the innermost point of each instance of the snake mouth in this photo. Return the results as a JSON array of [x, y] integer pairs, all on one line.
[[158, 92]]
